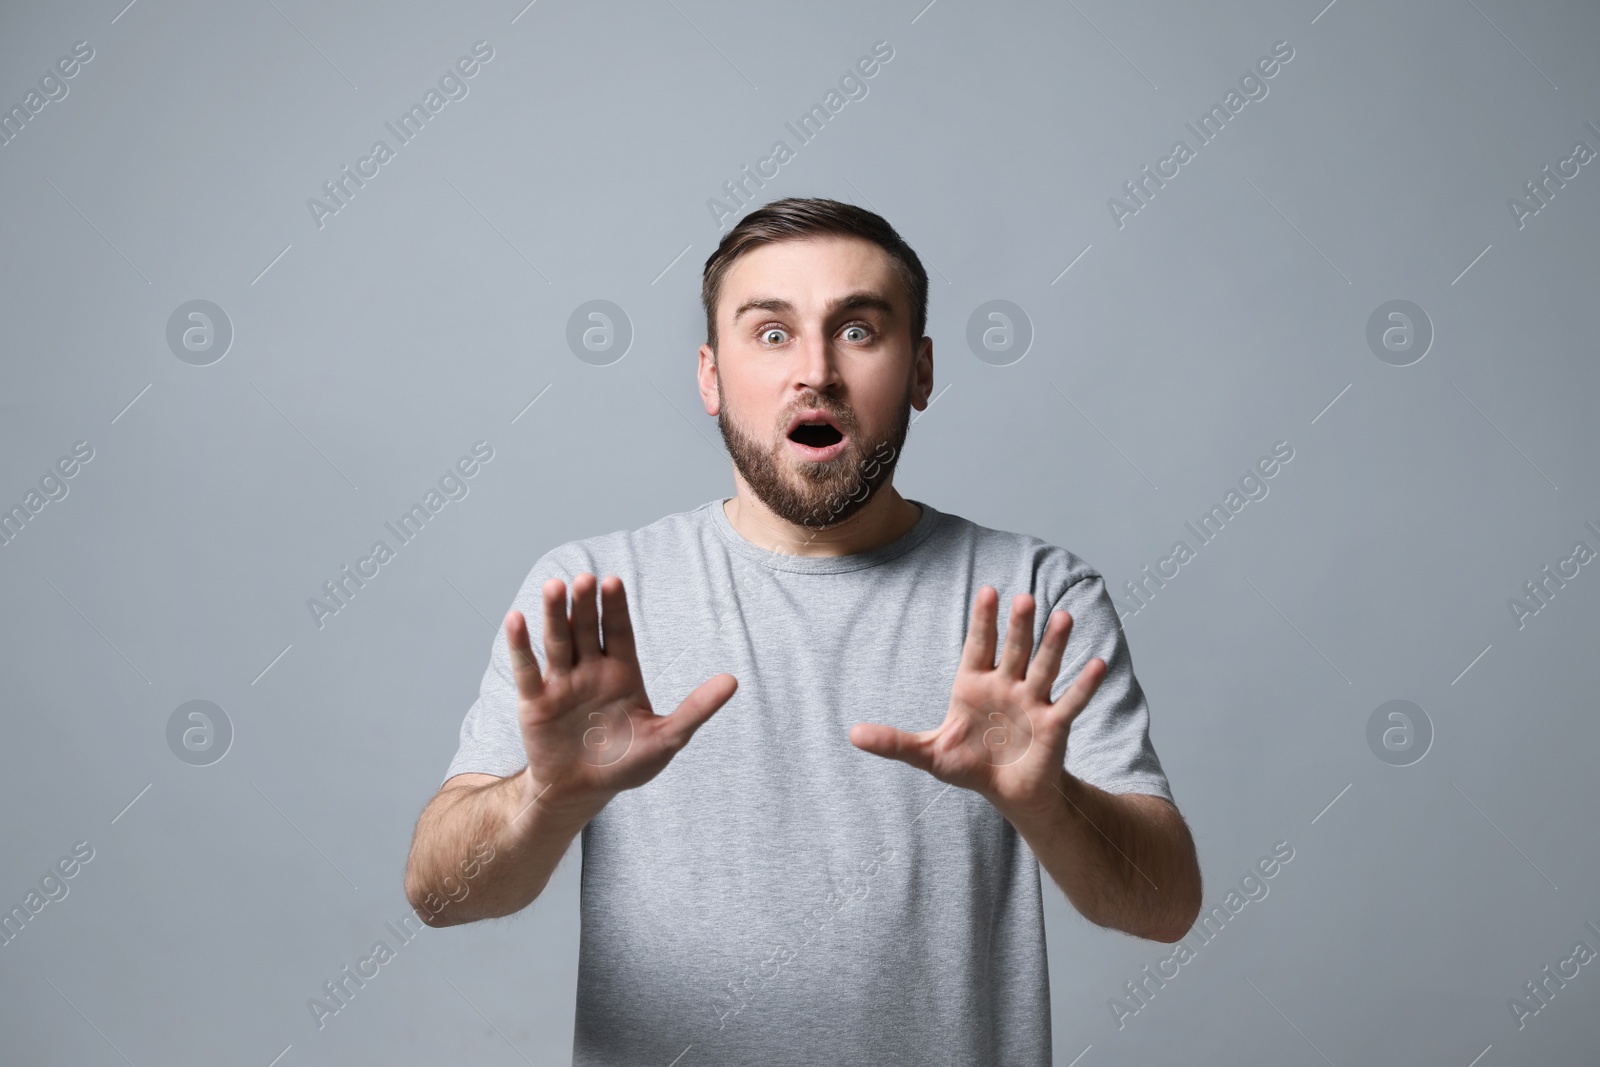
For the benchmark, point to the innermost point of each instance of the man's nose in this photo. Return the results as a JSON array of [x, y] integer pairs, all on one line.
[[818, 365]]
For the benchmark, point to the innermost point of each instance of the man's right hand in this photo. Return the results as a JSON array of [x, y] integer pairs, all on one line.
[[587, 725]]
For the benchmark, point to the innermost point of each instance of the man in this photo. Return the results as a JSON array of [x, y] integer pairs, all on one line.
[[841, 866]]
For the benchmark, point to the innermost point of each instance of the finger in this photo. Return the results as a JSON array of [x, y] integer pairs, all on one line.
[[1077, 695], [1047, 661], [890, 743], [617, 627], [557, 632], [977, 654], [585, 618], [523, 665], [1019, 638], [697, 707]]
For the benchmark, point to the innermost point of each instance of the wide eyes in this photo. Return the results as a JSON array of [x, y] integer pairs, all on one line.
[[855, 333]]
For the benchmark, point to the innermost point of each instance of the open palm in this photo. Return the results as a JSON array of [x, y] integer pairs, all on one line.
[[1002, 736], [587, 724]]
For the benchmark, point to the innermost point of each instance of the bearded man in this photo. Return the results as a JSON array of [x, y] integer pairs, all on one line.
[[829, 851]]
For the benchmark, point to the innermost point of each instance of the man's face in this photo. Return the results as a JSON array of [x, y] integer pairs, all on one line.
[[814, 329]]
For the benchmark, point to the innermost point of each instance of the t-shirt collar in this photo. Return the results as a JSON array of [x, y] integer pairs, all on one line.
[[786, 561]]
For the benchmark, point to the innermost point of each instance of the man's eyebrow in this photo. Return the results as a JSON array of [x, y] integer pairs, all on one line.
[[850, 301]]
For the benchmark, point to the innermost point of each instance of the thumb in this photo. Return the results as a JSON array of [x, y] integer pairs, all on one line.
[[890, 743], [704, 702]]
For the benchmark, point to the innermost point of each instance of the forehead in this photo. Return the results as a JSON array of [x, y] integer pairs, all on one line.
[[809, 273]]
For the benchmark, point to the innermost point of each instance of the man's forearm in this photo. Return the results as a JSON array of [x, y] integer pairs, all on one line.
[[1125, 861], [523, 840]]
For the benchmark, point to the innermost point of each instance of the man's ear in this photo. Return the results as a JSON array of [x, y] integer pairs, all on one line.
[[922, 368], [706, 378]]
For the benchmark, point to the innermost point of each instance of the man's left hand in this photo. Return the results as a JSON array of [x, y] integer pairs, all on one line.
[[1002, 737]]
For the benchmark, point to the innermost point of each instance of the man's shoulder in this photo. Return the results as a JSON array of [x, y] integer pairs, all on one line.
[[672, 533], [1052, 566]]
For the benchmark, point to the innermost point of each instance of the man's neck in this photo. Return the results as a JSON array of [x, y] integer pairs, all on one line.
[[885, 518]]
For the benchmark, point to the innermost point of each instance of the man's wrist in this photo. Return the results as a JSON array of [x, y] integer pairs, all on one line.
[[1044, 806], [535, 803]]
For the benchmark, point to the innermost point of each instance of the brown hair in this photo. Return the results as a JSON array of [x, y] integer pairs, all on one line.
[[795, 218]]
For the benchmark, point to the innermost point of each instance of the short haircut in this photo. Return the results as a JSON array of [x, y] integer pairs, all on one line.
[[797, 218]]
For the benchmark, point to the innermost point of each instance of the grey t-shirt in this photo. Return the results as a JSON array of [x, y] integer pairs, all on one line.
[[776, 895]]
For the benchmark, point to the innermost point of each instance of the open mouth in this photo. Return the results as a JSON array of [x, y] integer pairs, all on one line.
[[816, 434]]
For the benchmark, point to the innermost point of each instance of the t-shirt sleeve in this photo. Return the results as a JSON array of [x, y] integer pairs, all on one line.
[[1108, 744], [491, 739]]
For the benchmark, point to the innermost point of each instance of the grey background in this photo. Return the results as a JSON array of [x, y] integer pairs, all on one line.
[[1228, 314]]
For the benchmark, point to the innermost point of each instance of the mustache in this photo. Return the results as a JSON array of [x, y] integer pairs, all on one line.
[[841, 414]]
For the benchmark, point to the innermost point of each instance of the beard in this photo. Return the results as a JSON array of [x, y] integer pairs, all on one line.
[[822, 495]]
